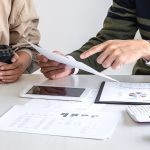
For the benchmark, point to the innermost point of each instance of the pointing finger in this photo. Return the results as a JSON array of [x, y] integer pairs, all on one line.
[[94, 50]]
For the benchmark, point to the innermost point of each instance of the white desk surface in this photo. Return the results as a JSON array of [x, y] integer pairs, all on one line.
[[127, 136]]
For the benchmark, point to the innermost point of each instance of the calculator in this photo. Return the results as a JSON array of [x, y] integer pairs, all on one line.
[[139, 113], [6, 54]]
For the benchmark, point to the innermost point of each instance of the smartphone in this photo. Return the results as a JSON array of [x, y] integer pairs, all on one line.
[[6, 54], [55, 93]]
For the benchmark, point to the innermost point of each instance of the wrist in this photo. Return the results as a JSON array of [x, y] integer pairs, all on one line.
[[25, 58], [74, 70], [146, 58], [146, 53]]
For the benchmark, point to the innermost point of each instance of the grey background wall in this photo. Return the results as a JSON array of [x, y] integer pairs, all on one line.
[[67, 24]]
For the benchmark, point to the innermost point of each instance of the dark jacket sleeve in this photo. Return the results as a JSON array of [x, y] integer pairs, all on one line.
[[120, 23]]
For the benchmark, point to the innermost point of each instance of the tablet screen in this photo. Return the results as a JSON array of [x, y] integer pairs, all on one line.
[[56, 91]]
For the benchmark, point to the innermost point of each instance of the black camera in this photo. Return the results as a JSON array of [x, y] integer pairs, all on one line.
[[6, 54]]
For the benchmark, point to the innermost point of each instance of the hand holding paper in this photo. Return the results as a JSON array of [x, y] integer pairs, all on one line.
[[69, 62]]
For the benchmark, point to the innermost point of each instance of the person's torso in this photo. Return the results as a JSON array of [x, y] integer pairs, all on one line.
[[143, 17], [141, 14], [9, 17], [5, 9]]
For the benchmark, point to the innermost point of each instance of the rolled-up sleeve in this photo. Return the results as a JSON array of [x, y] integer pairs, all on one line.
[[25, 26]]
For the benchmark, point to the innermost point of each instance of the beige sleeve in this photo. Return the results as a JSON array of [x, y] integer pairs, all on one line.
[[25, 27]]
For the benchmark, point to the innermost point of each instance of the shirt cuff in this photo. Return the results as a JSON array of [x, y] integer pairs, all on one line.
[[76, 70], [147, 62]]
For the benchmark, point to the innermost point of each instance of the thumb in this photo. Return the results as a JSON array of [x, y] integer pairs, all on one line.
[[14, 58], [41, 58], [58, 52]]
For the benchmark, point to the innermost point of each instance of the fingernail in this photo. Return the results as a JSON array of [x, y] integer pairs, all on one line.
[[2, 68], [45, 60], [105, 66], [118, 67], [13, 60], [53, 77], [82, 56], [99, 62]]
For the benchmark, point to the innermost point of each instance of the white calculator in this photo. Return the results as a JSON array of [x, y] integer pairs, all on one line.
[[139, 113]]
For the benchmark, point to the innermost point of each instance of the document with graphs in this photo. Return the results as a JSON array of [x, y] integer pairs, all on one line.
[[124, 93], [73, 122]]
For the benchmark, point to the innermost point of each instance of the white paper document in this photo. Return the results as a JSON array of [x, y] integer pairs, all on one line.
[[126, 92], [70, 62], [71, 123], [55, 106]]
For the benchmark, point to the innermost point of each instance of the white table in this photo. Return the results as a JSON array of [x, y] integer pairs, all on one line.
[[127, 136]]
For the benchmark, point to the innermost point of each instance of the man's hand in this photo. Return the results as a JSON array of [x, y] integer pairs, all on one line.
[[12, 72], [116, 53], [53, 70], [1, 64]]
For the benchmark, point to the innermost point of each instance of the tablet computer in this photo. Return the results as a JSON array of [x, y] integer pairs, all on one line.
[[55, 92], [124, 93]]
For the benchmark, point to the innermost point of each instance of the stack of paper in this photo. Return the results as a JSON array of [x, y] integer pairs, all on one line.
[[82, 120]]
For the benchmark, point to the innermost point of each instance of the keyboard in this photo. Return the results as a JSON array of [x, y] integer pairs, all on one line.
[[139, 113]]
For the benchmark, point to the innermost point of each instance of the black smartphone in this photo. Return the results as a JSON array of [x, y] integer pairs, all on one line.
[[6, 54]]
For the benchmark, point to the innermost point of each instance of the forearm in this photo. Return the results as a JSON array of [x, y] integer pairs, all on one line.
[[118, 25], [26, 28], [91, 61]]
